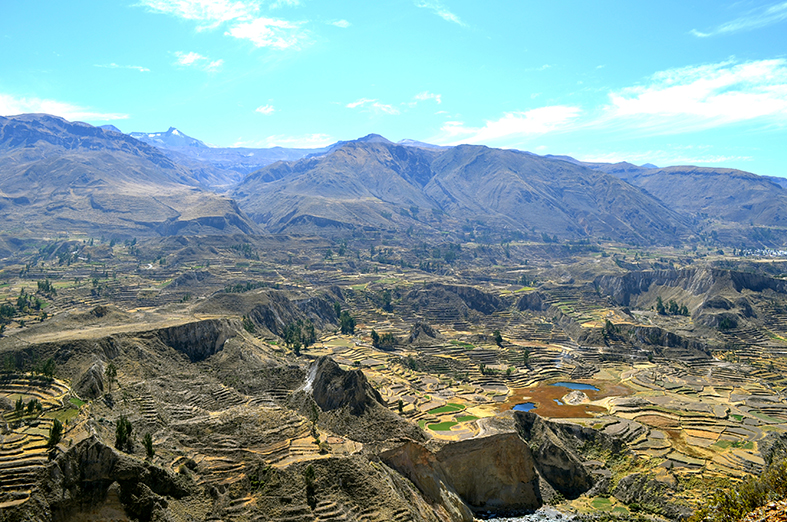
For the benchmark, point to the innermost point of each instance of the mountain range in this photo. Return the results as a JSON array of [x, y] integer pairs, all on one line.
[[60, 176]]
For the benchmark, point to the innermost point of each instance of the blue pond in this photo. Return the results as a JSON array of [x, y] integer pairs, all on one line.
[[575, 386], [525, 406]]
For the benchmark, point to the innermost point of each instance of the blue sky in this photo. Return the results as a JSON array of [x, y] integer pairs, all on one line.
[[669, 82]]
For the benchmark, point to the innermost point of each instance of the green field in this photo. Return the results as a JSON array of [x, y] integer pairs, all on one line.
[[466, 418], [448, 408], [442, 426]]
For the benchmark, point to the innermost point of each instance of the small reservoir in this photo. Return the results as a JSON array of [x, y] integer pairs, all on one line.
[[575, 386]]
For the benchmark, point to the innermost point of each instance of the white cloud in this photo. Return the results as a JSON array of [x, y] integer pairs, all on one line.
[[188, 59], [209, 13], [11, 105], [440, 10], [753, 19], [359, 103], [373, 105], [270, 32], [426, 95], [512, 125], [214, 65], [116, 66], [282, 3], [344, 24], [699, 97], [193, 59], [241, 17], [265, 109]]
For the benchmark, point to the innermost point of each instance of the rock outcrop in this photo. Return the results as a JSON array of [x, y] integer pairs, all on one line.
[[94, 478], [334, 388], [490, 473], [351, 406]]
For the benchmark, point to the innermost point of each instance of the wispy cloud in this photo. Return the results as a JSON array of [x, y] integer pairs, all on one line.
[[10, 105], [116, 66], [760, 17], [344, 24], [440, 10], [270, 32], [700, 97], [265, 109], [512, 125], [240, 17], [373, 105], [426, 95], [193, 59]]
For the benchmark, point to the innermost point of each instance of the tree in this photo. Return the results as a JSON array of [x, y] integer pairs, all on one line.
[[248, 325], [346, 323], [337, 307], [400, 405], [147, 441], [32, 406], [19, 406], [660, 306], [309, 476], [55, 434], [111, 374], [498, 338], [123, 431], [526, 358]]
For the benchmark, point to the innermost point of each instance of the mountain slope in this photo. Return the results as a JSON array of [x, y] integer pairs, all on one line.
[[384, 185], [59, 176], [728, 194]]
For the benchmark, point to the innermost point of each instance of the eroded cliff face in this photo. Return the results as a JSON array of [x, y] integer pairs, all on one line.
[[200, 339], [92, 480], [626, 289], [493, 473]]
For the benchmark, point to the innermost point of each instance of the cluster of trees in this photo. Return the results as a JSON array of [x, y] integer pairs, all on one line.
[[245, 250], [346, 321], [386, 341], [299, 334], [47, 288], [672, 308], [239, 288], [33, 405]]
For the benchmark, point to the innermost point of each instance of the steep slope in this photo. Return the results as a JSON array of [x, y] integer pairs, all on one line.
[[360, 184], [59, 176], [518, 189], [372, 182], [728, 194]]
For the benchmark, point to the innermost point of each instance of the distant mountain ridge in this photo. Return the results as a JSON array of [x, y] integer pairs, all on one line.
[[374, 183], [59, 176], [71, 176], [218, 167]]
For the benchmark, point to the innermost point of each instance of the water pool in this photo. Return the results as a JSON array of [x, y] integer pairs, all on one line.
[[575, 386]]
